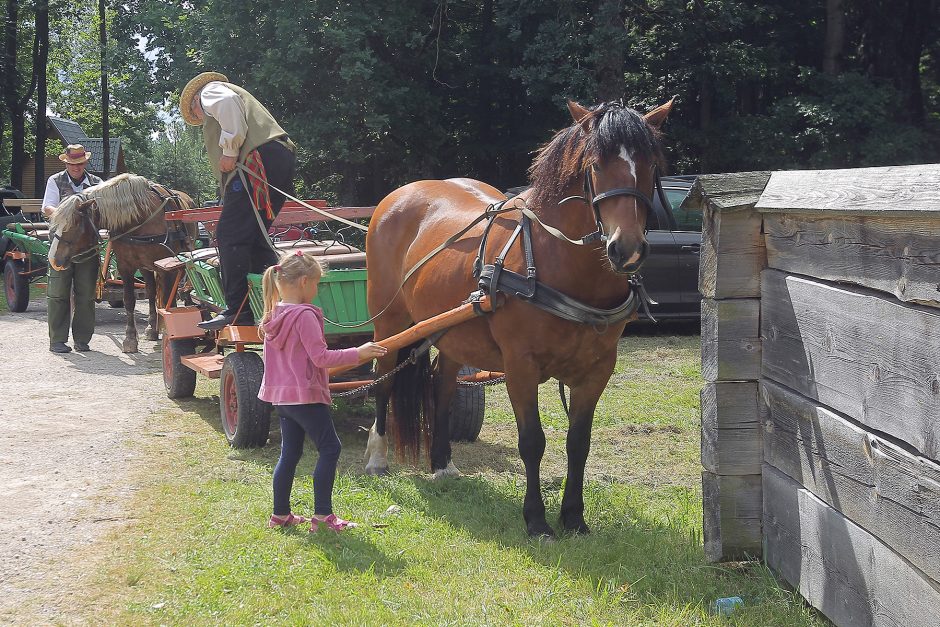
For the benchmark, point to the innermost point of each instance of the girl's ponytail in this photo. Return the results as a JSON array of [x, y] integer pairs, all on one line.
[[270, 295]]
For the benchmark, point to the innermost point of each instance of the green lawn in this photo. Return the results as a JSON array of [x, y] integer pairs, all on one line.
[[456, 552]]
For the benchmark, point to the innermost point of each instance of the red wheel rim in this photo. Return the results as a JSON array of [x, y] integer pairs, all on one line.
[[8, 283], [167, 362], [230, 398]]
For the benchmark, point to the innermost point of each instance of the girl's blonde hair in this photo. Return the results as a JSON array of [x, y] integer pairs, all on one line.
[[292, 267]]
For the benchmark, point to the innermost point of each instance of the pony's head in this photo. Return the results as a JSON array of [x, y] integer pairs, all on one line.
[[115, 204], [72, 231], [615, 154]]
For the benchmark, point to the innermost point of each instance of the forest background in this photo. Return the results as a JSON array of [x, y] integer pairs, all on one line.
[[377, 94]]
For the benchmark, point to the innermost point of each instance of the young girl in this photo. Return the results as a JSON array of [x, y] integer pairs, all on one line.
[[296, 380]]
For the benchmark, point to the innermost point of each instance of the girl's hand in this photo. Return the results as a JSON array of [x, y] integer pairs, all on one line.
[[227, 164], [371, 350]]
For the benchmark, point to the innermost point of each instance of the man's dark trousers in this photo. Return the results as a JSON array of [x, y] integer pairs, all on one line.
[[243, 248]]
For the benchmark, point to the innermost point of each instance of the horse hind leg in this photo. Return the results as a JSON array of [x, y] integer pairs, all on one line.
[[376, 455], [130, 304], [155, 289], [445, 387]]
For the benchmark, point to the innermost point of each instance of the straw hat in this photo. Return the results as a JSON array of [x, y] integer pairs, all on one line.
[[192, 88], [74, 154]]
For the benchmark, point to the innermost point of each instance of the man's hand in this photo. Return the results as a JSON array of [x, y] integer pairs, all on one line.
[[227, 164], [47, 211]]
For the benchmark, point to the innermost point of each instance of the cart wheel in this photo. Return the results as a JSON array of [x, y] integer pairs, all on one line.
[[179, 380], [245, 419], [16, 285], [466, 410], [117, 303]]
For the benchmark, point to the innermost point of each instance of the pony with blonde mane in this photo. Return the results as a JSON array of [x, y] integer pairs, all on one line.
[[133, 211]]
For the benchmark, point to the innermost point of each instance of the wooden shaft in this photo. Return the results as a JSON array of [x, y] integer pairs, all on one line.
[[425, 328], [483, 375]]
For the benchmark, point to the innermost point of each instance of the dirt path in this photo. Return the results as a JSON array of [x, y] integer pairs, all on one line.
[[67, 421]]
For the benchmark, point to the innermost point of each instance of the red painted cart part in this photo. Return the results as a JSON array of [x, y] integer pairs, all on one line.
[[182, 321], [209, 365], [427, 327]]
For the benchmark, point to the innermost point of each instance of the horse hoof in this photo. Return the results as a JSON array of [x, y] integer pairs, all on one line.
[[151, 335], [129, 348], [450, 471], [377, 471], [542, 532]]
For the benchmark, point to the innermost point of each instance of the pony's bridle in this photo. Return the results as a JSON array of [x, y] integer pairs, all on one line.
[[593, 199], [83, 211]]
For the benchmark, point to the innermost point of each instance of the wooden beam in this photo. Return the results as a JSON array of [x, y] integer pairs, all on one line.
[[731, 435], [895, 254], [731, 525], [892, 494], [732, 254], [731, 344], [894, 190], [863, 354], [841, 569]]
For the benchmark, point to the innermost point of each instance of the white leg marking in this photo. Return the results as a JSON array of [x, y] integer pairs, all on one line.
[[376, 453], [450, 471]]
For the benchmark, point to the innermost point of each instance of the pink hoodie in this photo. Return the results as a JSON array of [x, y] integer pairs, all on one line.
[[296, 357]]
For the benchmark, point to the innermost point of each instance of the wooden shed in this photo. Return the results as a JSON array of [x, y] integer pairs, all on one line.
[[68, 132], [821, 453]]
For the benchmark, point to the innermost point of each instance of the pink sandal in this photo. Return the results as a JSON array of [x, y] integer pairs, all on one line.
[[332, 522], [286, 521]]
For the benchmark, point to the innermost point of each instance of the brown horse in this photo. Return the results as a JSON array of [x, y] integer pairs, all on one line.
[[611, 149], [132, 209]]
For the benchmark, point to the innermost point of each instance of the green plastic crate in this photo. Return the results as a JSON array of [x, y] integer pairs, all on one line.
[[341, 296]]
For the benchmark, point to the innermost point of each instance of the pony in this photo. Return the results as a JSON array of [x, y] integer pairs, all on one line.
[[611, 149], [132, 209]]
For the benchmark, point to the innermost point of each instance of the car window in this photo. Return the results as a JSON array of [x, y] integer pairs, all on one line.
[[686, 219]]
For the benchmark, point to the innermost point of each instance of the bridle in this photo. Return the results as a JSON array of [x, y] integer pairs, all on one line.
[[86, 218], [593, 199]]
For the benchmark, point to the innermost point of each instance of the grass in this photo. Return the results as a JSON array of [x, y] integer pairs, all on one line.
[[456, 551]]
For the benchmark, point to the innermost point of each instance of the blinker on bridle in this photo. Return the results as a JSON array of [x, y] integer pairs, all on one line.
[[593, 199]]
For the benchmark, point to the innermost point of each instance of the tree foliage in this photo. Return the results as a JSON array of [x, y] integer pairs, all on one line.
[[376, 94]]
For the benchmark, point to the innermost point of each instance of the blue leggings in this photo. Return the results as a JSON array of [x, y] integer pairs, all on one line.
[[296, 421]]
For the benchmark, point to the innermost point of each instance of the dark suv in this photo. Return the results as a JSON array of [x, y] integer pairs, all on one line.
[[670, 273]]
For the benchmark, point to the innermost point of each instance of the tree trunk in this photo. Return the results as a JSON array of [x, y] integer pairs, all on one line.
[[835, 37], [16, 107], [42, 58], [609, 41], [105, 130]]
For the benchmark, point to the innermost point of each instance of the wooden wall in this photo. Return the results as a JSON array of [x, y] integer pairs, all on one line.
[[848, 396], [733, 256]]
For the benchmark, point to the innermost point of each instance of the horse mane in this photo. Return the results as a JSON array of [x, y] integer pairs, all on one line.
[[571, 151], [122, 202]]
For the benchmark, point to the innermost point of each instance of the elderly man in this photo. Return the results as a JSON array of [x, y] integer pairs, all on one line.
[[81, 277], [239, 130]]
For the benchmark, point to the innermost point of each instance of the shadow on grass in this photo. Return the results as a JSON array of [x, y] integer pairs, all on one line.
[[348, 552]]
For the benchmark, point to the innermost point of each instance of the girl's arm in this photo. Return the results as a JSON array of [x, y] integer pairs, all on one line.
[[311, 336]]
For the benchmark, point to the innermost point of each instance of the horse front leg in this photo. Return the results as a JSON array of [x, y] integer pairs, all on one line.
[[445, 380], [522, 383], [154, 288], [130, 304], [584, 399]]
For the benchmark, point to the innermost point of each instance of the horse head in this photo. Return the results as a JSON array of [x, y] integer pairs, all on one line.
[[612, 155], [72, 231]]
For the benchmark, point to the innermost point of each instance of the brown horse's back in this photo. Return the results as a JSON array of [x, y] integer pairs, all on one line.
[[406, 226]]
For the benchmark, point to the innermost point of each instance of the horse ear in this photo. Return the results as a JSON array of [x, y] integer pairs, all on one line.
[[657, 116], [579, 114]]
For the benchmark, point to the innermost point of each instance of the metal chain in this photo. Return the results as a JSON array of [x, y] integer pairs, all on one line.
[[368, 386]]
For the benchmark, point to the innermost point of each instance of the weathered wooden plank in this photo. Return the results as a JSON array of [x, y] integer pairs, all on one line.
[[893, 190], [879, 486], [732, 253], [727, 192], [848, 574], [731, 433], [731, 344], [898, 255], [863, 354], [731, 516]]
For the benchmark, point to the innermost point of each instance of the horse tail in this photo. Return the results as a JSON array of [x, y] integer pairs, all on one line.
[[412, 415]]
